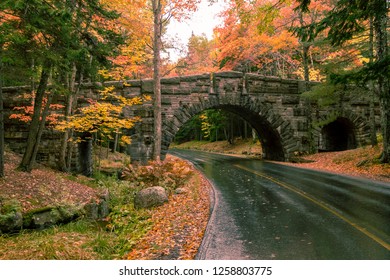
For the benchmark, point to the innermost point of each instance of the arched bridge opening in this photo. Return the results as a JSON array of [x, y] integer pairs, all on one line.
[[338, 135], [269, 137], [273, 132]]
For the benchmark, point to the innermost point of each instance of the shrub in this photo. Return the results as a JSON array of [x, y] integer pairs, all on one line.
[[169, 174]]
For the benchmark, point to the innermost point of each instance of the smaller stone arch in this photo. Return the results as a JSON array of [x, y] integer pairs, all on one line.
[[338, 135], [348, 131]]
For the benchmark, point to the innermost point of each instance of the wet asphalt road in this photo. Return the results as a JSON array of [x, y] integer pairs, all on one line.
[[264, 210]]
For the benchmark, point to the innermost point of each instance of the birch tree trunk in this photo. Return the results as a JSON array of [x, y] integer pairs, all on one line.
[[157, 10]]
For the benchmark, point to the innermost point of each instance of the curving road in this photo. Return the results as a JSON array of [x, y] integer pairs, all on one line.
[[264, 210]]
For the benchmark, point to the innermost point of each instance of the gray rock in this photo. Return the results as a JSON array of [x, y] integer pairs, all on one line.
[[45, 219], [150, 197], [96, 210]]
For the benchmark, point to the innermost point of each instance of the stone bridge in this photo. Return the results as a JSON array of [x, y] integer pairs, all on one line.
[[272, 106]]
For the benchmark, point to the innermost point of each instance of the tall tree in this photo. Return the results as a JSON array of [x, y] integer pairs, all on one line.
[[157, 32], [136, 55], [200, 56], [345, 21], [255, 38], [1, 115], [8, 32], [163, 11]]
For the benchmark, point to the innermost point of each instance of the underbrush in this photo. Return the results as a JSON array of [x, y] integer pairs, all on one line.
[[169, 174], [111, 238]]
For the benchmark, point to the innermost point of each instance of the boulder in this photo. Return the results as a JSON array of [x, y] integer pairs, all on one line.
[[150, 197], [97, 209], [42, 218]]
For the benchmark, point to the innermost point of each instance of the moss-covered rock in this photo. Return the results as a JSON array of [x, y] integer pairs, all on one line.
[[11, 218]]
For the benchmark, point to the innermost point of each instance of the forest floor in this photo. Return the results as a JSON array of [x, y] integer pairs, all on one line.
[[171, 231]]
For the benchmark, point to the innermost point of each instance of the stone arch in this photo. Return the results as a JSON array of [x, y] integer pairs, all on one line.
[[347, 131], [338, 135], [275, 133]]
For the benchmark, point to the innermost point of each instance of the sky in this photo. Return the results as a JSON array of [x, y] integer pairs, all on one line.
[[203, 21]]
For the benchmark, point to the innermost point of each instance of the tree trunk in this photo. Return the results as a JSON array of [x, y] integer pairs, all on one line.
[[40, 131], [305, 57], [63, 163], [86, 154], [63, 166], [305, 52], [380, 25], [374, 140], [157, 78], [32, 140], [116, 142], [245, 130], [385, 123], [254, 135], [1, 118]]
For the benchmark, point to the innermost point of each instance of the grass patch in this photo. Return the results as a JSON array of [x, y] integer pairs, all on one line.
[[68, 242]]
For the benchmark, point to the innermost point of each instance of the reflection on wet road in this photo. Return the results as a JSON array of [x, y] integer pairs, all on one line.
[[265, 210]]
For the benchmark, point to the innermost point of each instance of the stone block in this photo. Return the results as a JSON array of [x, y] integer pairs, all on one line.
[[170, 81], [229, 74], [299, 112], [290, 99], [132, 83], [147, 86], [302, 126], [166, 101]]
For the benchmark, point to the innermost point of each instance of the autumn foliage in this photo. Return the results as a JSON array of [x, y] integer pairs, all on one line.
[[178, 226], [104, 117], [25, 113], [170, 173]]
